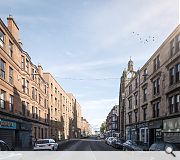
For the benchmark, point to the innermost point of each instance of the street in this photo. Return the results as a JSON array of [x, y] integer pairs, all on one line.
[[88, 144]]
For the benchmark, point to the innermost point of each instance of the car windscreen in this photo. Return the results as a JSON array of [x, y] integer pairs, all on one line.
[[42, 141]]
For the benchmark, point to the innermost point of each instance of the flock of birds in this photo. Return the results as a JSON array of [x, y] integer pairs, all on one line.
[[142, 39]]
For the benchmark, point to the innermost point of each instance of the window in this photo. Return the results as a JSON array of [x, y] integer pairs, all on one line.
[[51, 109], [27, 87], [172, 47], [27, 108], [45, 89], [2, 69], [23, 108], [51, 98], [27, 65], [39, 114], [33, 93], [130, 103], [10, 75], [172, 75], [39, 99], [39, 82], [177, 72], [1, 38], [23, 85], [10, 49], [156, 109], [55, 90], [36, 113], [56, 111], [174, 103], [144, 113], [32, 73], [44, 103], [156, 86], [33, 112], [2, 99], [156, 63], [136, 99], [145, 94], [135, 116], [136, 83], [22, 62], [51, 87], [178, 39], [130, 89], [145, 74], [11, 108], [130, 117]]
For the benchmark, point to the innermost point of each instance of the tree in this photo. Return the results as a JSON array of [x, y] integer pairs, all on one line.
[[103, 127]]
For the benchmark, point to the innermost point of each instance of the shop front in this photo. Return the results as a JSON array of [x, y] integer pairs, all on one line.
[[155, 131], [7, 132], [16, 134], [171, 130], [132, 133], [143, 133]]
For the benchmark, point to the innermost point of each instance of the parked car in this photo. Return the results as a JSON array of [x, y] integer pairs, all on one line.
[[109, 140], [131, 146], [5, 147], [106, 139], [160, 146], [118, 143], [46, 144], [101, 136]]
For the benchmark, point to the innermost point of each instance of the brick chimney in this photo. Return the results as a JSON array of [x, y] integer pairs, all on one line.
[[13, 28]]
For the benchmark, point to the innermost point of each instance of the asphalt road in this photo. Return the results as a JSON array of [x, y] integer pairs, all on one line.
[[89, 144]]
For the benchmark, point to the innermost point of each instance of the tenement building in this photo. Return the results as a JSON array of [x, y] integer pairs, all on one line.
[[149, 98], [112, 122], [23, 92], [32, 103]]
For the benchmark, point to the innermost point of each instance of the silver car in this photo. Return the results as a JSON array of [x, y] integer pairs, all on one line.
[[46, 144]]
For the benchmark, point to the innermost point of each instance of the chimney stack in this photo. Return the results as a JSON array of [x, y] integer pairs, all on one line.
[[13, 28]]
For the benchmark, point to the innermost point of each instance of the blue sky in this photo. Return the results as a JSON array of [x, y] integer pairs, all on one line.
[[89, 40]]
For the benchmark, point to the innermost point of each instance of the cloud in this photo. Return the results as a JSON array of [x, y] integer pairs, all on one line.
[[96, 110]]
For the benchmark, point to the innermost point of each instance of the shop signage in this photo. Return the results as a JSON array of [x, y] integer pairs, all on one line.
[[155, 124], [171, 125], [7, 124]]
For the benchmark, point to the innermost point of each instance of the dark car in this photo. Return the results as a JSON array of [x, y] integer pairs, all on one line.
[[118, 143], [4, 146], [160, 146], [131, 146]]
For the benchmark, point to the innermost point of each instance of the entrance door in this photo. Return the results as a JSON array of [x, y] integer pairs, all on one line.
[[151, 136]]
